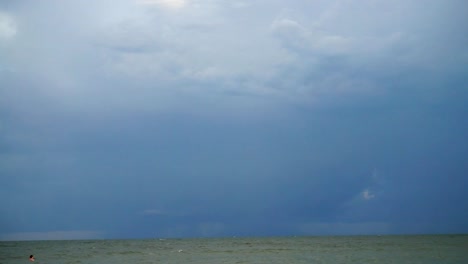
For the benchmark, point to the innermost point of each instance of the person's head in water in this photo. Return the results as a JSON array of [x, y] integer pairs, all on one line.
[[31, 258]]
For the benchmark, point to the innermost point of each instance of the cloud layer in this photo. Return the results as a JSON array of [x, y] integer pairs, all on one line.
[[213, 118]]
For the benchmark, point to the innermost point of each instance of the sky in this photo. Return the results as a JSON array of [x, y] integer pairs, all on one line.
[[212, 118]]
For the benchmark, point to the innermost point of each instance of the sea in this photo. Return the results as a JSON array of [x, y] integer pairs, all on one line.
[[413, 249]]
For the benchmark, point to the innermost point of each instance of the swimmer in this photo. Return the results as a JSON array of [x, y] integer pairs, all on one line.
[[31, 258]]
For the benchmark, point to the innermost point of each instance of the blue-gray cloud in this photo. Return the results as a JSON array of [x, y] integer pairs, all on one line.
[[204, 118]]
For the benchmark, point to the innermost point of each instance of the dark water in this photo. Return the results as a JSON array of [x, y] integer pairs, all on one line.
[[351, 249]]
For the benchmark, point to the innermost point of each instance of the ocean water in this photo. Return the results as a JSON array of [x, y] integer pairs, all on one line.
[[335, 249]]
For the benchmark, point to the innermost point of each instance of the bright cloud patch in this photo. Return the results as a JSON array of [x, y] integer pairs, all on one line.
[[366, 194], [7, 27], [172, 4]]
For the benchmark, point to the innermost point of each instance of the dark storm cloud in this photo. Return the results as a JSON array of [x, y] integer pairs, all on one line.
[[204, 118]]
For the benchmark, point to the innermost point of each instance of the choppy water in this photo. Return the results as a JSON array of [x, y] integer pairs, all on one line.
[[351, 249]]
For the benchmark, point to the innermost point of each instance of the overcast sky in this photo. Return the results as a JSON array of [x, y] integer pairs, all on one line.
[[202, 118]]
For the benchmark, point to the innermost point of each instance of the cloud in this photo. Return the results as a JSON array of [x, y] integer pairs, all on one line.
[[297, 38], [265, 110], [8, 27], [367, 195], [171, 4], [293, 35], [164, 56], [339, 52]]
